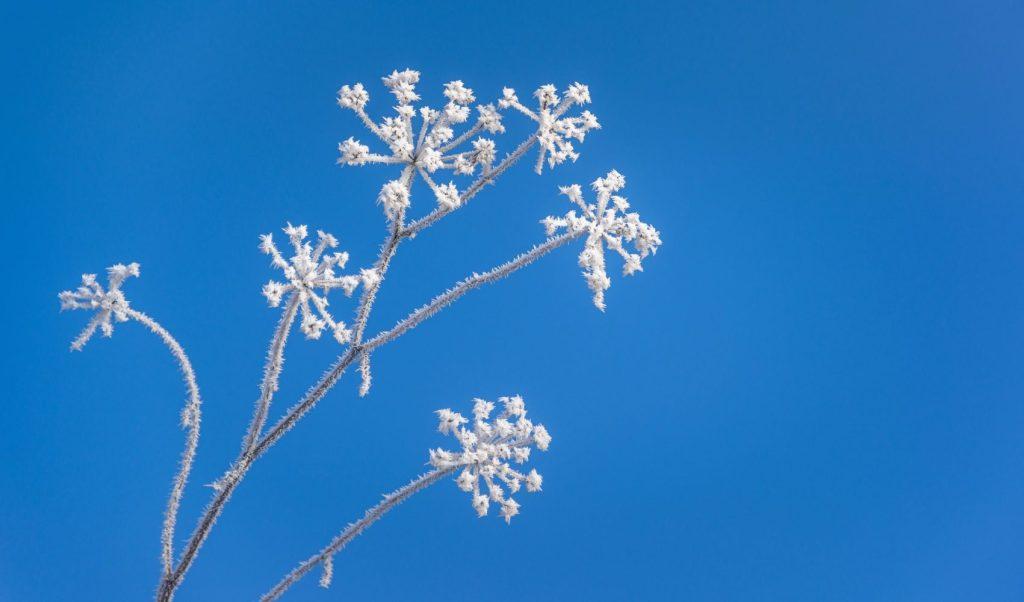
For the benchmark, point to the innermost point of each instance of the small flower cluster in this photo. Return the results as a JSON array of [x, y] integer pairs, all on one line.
[[308, 270], [610, 225], [487, 449], [555, 133], [433, 149], [109, 304]]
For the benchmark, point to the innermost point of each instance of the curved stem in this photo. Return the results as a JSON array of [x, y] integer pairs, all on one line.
[[190, 418], [354, 529]]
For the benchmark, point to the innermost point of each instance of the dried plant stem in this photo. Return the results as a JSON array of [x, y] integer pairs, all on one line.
[[271, 372], [234, 476], [190, 418], [387, 252], [464, 286], [354, 529]]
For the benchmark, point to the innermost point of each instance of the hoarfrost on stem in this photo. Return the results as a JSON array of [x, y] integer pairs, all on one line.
[[423, 142], [486, 453]]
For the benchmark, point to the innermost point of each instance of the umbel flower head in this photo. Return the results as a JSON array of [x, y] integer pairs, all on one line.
[[437, 147], [309, 269], [487, 450], [607, 224], [554, 132], [109, 304]]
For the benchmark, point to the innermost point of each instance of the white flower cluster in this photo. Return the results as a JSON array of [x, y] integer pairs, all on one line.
[[308, 270], [555, 133], [434, 148], [487, 450], [607, 224], [108, 304]]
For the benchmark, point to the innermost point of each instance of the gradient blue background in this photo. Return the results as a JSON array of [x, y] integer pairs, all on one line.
[[813, 392]]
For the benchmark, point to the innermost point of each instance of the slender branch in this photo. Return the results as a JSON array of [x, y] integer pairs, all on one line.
[[190, 418], [271, 372], [387, 252], [234, 476], [328, 380], [464, 286], [254, 448], [370, 125], [317, 392], [354, 529], [473, 131], [435, 215]]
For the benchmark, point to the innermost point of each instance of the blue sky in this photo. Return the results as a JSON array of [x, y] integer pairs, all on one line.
[[812, 392]]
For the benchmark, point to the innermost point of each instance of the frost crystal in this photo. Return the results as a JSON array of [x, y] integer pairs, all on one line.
[[308, 270], [487, 450], [554, 132], [607, 224], [110, 303]]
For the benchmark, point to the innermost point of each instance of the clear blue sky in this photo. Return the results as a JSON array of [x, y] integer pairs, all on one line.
[[813, 392]]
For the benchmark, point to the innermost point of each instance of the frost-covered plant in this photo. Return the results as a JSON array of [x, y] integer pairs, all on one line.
[[424, 142], [487, 449], [112, 303], [486, 453], [605, 227], [307, 271]]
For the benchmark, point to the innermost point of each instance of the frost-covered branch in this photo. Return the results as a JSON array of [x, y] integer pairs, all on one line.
[[234, 476], [309, 276], [327, 381], [371, 516], [271, 372], [190, 419], [111, 304], [383, 262], [486, 452], [464, 286]]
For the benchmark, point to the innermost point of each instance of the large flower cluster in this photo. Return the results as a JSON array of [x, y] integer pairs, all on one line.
[[487, 450], [109, 304], [437, 147], [606, 224], [309, 269]]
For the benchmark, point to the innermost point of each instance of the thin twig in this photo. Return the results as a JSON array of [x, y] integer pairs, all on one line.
[[271, 372], [354, 529], [464, 286], [190, 418]]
